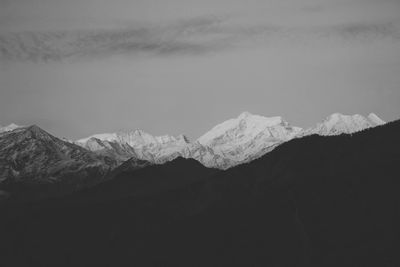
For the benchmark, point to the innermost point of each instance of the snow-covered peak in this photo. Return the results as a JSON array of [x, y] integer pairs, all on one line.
[[142, 145], [257, 119], [247, 137], [246, 125], [338, 123], [111, 137], [229, 143], [345, 119], [137, 138], [10, 127]]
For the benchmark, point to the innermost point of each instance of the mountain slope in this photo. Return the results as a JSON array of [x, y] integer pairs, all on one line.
[[119, 151], [149, 180], [30, 157], [207, 156], [312, 201]]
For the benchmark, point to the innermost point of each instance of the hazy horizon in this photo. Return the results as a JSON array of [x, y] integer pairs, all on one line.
[[76, 68]]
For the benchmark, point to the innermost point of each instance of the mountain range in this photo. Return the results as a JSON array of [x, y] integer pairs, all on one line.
[[30, 156], [314, 201], [228, 144]]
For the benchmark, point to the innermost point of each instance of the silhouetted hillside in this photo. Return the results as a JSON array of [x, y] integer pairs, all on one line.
[[148, 181], [314, 201]]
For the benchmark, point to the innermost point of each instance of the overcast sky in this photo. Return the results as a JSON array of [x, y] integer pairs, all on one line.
[[80, 67]]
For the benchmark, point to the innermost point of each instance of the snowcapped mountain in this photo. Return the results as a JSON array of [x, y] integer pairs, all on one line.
[[138, 144], [31, 156], [230, 143], [9, 128], [337, 123], [247, 137]]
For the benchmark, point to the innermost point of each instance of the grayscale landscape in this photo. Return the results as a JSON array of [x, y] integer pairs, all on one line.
[[199, 133]]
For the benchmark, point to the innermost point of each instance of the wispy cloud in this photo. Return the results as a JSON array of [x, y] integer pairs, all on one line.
[[367, 30], [186, 37]]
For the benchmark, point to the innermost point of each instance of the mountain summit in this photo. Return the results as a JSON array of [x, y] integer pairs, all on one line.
[[30, 156], [232, 142], [246, 125], [338, 123], [229, 143], [248, 136], [139, 144]]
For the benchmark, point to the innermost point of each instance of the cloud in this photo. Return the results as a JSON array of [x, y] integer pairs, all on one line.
[[186, 37], [367, 30], [196, 36]]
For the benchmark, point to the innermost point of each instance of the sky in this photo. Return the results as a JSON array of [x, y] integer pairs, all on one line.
[[81, 67]]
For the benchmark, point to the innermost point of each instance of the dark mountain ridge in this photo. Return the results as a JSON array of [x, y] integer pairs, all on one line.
[[313, 201], [34, 163]]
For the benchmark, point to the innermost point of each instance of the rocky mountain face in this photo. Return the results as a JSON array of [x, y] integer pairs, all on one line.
[[29, 156], [207, 156], [121, 152]]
